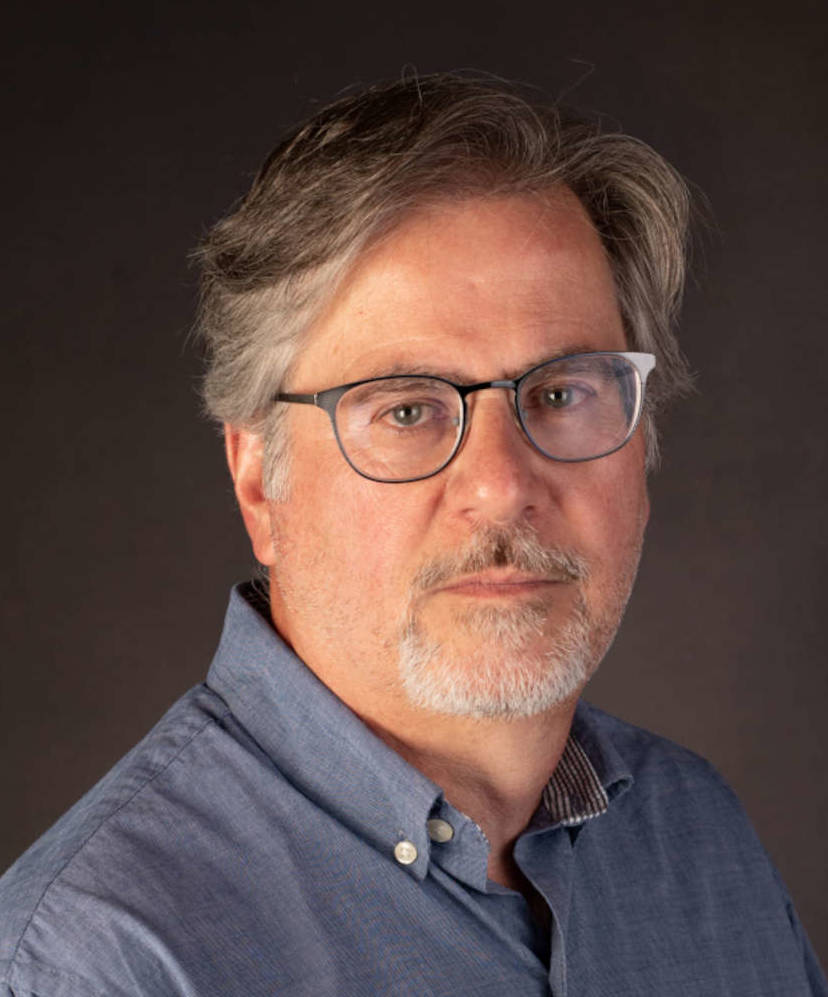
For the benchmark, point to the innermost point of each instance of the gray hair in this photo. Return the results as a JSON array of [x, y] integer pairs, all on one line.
[[346, 177]]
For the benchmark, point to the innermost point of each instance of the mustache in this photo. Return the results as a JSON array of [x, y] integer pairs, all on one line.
[[499, 547]]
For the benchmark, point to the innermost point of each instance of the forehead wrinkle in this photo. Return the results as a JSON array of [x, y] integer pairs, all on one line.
[[417, 369]]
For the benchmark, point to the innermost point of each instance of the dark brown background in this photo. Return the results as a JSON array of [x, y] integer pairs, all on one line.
[[130, 127]]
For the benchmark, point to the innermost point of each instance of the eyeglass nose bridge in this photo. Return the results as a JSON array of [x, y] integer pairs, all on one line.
[[464, 390], [468, 389]]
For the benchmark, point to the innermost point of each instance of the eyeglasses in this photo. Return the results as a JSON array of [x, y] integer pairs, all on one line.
[[408, 427]]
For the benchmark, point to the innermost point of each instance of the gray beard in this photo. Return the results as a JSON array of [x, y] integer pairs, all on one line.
[[501, 676]]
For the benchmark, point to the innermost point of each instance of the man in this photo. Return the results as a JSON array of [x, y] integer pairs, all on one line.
[[438, 328]]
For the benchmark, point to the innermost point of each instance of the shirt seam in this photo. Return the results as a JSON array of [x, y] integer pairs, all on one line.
[[15, 967], [90, 836]]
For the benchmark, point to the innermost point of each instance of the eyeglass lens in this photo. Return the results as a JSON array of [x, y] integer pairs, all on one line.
[[401, 428]]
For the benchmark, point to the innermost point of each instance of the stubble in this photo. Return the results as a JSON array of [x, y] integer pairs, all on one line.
[[516, 661]]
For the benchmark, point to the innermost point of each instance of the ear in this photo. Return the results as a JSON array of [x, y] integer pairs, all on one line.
[[244, 458]]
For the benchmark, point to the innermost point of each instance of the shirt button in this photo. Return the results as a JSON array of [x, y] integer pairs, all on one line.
[[439, 830], [405, 852]]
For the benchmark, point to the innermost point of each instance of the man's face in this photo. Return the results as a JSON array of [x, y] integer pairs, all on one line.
[[494, 587]]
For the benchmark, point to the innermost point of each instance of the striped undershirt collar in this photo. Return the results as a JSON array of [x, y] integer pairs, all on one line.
[[574, 792]]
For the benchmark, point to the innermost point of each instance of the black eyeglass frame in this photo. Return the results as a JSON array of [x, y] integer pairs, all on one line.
[[328, 399]]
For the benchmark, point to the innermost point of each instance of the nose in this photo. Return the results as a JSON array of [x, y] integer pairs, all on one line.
[[497, 477]]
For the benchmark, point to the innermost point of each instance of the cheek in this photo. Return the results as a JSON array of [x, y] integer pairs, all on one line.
[[608, 510], [388, 533], [362, 536]]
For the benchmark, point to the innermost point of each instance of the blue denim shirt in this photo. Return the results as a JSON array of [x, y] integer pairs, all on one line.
[[250, 845]]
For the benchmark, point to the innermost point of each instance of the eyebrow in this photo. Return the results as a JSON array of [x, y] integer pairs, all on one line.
[[459, 377]]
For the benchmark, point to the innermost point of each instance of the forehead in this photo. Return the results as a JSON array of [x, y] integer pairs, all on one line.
[[474, 288]]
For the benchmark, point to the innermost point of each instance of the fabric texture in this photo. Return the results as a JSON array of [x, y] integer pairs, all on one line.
[[261, 840]]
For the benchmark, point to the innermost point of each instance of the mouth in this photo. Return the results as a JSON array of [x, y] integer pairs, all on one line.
[[499, 584]]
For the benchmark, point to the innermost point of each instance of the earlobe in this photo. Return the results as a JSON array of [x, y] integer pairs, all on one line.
[[244, 458]]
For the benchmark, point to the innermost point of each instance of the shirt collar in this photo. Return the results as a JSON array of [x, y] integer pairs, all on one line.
[[324, 749], [590, 772], [574, 792], [315, 741]]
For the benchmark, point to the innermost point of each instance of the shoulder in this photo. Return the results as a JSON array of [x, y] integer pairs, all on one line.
[[654, 763], [58, 888], [668, 791], [676, 844], [665, 793]]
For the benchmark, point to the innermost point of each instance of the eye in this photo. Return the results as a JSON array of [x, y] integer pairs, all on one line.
[[399, 406], [407, 414], [562, 396], [412, 414], [558, 397]]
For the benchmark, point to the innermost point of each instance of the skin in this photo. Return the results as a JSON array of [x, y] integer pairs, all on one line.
[[471, 290]]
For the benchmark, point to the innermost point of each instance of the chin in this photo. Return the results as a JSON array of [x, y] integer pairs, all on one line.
[[498, 663]]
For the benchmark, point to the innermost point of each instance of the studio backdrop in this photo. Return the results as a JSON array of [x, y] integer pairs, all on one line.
[[131, 127]]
